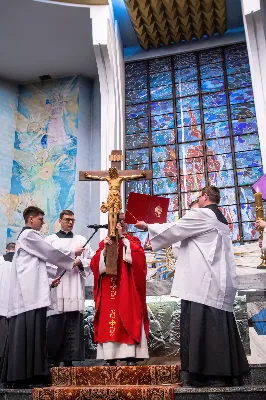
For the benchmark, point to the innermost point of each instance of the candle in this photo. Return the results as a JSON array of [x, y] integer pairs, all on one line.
[[258, 205]]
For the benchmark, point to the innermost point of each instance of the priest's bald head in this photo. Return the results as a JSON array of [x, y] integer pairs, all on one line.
[[209, 195], [33, 217], [10, 248]]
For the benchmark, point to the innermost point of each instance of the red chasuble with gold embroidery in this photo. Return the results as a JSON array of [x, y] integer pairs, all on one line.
[[120, 301]]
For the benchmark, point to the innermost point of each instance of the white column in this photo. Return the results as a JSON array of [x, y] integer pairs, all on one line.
[[254, 23], [110, 62]]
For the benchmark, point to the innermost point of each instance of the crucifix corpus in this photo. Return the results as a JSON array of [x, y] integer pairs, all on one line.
[[114, 177]]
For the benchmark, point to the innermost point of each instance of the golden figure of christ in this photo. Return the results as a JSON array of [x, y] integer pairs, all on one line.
[[113, 204]]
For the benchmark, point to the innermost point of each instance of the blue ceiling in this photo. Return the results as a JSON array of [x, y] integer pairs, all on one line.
[[234, 20]]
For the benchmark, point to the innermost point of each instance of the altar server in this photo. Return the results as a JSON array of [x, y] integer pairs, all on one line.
[[25, 359], [205, 279], [66, 320]]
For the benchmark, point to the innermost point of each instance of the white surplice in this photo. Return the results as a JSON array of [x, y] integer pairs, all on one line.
[[205, 270], [69, 295], [5, 273], [115, 350], [29, 283]]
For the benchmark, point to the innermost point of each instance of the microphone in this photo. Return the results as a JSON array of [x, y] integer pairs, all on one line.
[[96, 226]]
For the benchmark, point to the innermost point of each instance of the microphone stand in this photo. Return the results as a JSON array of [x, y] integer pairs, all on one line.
[[95, 230]]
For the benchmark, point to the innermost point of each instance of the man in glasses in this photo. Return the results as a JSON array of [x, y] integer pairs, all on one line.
[[205, 279], [65, 328]]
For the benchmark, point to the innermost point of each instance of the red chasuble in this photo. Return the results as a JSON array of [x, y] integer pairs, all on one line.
[[120, 301]]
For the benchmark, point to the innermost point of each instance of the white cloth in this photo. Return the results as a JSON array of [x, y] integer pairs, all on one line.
[[29, 284], [205, 270], [118, 351], [69, 295], [5, 273], [115, 350]]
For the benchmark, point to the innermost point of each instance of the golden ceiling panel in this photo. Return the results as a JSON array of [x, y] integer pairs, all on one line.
[[163, 22]]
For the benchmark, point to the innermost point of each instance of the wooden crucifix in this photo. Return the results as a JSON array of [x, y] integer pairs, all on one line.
[[114, 177]]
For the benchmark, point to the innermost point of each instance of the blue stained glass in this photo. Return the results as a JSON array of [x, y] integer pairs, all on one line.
[[138, 167], [164, 185], [247, 142], [173, 204], [186, 74], [215, 114], [190, 166], [248, 159], [189, 134], [248, 176], [188, 118], [160, 65], [136, 82], [164, 169], [214, 99], [161, 93], [241, 95], [138, 187], [222, 178], [236, 51], [246, 194], [140, 156], [230, 213], [228, 196], [172, 216], [162, 153], [217, 129], [188, 150], [212, 85], [136, 68], [248, 126], [136, 125], [136, 96], [142, 236], [138, 110], [163, 137], [249, 231], [243, 111], [137, 140], [185, 60], [162, 107], [210, 56], [218, 146], [192, 182], [162, 79], [188, 198], [239, 80], [211, 71], [187, 103], [220, 162], [234, 231], [162, 122], [186, 89], [248, 212], [237, 66]]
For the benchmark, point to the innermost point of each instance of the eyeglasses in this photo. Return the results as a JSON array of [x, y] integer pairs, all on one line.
[[68, 220]]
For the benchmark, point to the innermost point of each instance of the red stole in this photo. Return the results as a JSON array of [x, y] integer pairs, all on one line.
[[120, 301]]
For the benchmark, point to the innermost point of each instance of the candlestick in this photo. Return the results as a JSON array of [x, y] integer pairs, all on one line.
[[260, 216]]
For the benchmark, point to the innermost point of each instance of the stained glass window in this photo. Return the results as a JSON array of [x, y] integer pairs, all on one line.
[[191, 119]]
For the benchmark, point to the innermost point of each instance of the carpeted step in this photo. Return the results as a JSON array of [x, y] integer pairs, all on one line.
[[137, 392], [101, 376]]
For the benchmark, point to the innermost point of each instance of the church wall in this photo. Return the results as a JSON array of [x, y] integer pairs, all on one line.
[[8, 103]]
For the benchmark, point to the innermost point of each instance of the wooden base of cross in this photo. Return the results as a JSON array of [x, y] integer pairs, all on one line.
[[115, 158]]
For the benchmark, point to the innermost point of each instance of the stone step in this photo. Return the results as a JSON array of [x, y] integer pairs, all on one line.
[[101, 376], [249, 392]]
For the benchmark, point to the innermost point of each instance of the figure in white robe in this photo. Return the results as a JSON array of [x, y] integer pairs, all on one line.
[[25, 358], [205, 279], [66, 319]]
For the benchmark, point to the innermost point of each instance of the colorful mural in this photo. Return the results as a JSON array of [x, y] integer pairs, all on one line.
[[44, 160]]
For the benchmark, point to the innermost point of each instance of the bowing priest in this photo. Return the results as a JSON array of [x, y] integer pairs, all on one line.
[[121, 324], [25, 359], [5, 272], [65, 319], [205, 279]]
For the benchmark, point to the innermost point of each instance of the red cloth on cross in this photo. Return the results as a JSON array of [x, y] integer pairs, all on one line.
[[120, 301]]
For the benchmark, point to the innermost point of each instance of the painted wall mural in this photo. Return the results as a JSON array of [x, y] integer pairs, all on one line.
[[44, 160]]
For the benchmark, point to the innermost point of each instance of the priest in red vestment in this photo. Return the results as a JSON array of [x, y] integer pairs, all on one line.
[[121, 324]]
